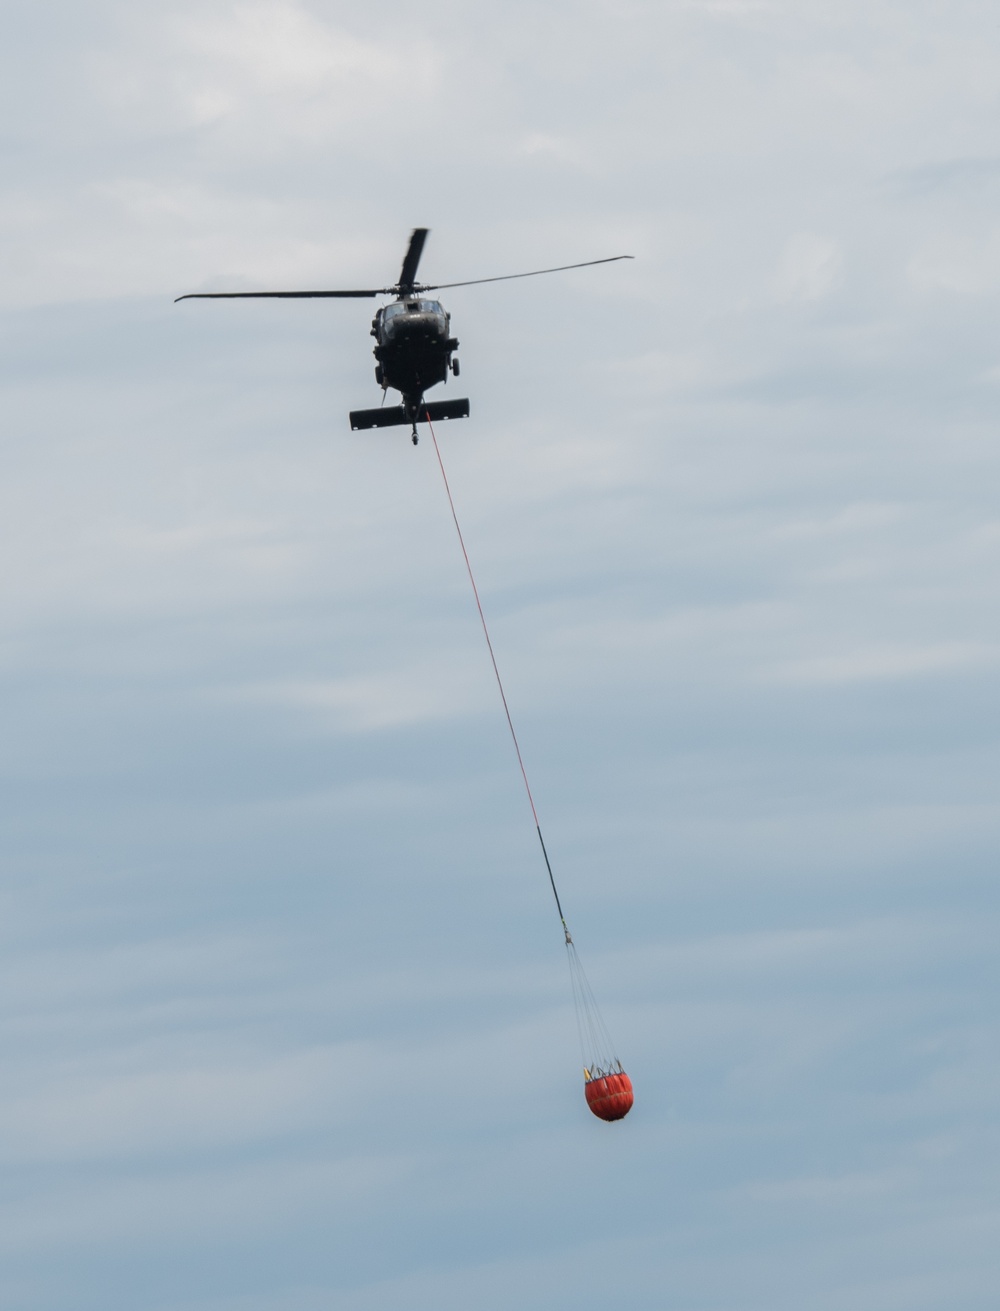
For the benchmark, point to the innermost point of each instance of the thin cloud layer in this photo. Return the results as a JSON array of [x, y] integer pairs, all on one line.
[[285, 1021]]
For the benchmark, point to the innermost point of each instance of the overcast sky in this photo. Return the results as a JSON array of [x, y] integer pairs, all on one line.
[[286, 1022]]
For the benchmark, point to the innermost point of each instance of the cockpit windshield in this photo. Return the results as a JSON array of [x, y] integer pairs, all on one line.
[[411, 307]]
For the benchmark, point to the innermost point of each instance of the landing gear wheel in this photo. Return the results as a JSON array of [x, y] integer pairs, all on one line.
[[454, 368], [378, 374], [414, 438]]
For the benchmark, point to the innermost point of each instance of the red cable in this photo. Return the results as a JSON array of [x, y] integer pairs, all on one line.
[[482, 618], [496, 671]]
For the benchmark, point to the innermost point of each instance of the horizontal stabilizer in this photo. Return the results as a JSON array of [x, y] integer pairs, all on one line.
[[391, 415]]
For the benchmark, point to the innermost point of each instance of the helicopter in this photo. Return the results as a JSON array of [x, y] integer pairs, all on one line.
[[414, 348]]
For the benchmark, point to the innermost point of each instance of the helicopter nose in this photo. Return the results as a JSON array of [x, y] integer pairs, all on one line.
[[411, 325]]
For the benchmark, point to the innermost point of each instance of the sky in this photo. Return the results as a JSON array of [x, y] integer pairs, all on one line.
[[285, 1019]]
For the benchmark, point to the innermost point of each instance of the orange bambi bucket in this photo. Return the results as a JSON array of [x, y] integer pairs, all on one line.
[[610, 1096]]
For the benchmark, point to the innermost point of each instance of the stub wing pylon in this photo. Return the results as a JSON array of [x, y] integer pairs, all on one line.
[[392, 415]]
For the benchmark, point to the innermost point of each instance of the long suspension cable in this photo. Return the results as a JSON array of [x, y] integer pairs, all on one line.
[[596, 1047], [503, 695]]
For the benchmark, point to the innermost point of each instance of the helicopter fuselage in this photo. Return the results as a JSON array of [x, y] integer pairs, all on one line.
[[414, 347]]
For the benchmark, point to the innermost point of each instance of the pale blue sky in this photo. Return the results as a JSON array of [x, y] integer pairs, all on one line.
[[285, 1018]]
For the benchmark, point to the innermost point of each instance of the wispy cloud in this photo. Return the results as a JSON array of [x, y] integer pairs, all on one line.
[[284, 1015]]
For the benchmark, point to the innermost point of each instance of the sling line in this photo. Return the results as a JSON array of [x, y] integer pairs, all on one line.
[[596, 1045], [496, 671]]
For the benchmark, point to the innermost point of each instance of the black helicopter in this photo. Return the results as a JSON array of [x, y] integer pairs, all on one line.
[[414, 346]]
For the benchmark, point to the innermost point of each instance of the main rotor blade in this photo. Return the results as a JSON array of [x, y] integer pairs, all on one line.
[[408, 274], [506, 277], [403, 287], [283, 295]]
